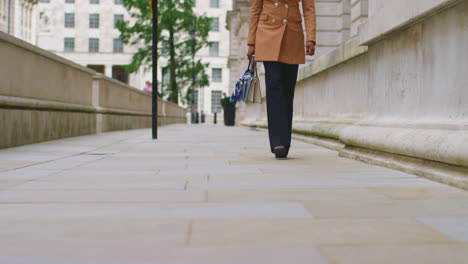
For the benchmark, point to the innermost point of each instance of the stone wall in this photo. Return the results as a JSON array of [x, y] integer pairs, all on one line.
[[45, 97], [395, 93]]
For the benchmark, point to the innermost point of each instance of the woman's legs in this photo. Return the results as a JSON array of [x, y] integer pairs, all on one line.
[[280, 84]]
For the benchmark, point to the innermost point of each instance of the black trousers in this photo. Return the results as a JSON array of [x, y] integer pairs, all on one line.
[[280, 84]]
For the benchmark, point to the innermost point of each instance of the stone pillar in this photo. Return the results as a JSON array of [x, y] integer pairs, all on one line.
[[333, 24], [359, 13], [108, 70]]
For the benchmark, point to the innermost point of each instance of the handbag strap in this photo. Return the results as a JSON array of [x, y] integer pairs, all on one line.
[[254, 66]]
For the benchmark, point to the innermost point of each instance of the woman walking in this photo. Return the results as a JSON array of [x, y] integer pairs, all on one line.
[[276, 38]]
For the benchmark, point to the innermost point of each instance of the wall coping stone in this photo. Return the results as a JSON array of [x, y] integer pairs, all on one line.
[[100, 76], [39, 104], [12, 102], [4, 37], [373, 30], [349, 50]]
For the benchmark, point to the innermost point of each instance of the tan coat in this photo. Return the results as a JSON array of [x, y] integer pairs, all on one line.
[[276, 29]]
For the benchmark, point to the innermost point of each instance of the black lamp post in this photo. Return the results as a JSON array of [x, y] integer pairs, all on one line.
[[194, 118], [154, 7]]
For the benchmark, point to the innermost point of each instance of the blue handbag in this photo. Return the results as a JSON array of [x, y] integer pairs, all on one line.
[[244, 84]]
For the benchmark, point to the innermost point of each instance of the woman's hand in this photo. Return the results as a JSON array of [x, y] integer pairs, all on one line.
[[310, 48], [251, 52]]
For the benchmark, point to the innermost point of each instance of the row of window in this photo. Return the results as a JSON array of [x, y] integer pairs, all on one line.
[[94, 20], [69, 45], [213, 3], [96, 2], [93, 45]]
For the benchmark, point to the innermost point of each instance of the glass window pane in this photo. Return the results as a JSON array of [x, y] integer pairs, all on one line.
[[69, 44], [118, 18], [93, 45], [195, 100], [214, 3], [69, 20], [216, 75], [94, 20], [215, 24], [118, 45], [216, 101], [214, 49]]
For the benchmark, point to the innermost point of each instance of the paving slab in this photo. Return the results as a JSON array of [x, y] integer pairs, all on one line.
[[337, 231], [213, 194], [404, 254], [454, 226]]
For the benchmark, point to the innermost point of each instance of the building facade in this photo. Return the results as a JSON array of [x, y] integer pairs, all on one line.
[[207, 99], [18, 18], [217, 55], [84, 31], [387, 85]]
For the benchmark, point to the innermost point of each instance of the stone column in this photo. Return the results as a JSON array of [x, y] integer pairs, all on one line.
[[108, 70], [333, 24], [359, 14]]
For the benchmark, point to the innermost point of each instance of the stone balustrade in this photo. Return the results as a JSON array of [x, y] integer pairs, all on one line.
[[393, 94], [45, 97]]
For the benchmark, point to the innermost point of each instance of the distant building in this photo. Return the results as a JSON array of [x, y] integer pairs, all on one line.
[[18, 18], [208, 98], [84, 31]]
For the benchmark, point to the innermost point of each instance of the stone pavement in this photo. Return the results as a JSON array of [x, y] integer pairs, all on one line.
[[213, 194]]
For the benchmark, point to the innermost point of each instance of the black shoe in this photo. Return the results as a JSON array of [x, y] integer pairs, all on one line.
[[281, 153]]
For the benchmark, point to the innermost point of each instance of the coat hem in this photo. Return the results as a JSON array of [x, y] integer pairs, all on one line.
[[282, 61]]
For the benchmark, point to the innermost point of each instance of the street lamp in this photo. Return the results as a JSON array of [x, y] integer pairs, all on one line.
[[154, 8], [193, 110]]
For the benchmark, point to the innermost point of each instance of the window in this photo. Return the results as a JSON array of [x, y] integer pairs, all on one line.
[[214, 3], [69, 44], [118, 45], [216, 75], [118, 18], [70, 1], [118, 2], [195, 100], [214, 49], [93, 20], [93, 45], [94, 2], [216, 101], [215, 24], [45, 1], [69, 20]]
